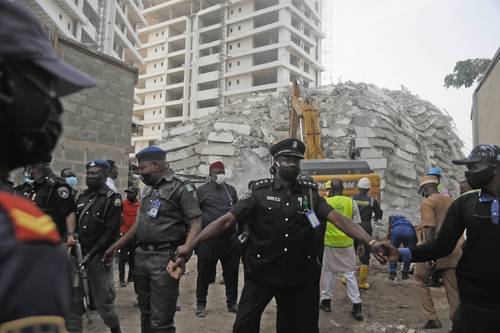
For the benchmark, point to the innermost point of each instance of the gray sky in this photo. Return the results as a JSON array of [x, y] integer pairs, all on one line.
[[414, 43]]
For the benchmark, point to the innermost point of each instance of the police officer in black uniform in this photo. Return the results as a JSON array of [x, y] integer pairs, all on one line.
[[99, 211], [282, 254], [35, 284], [55, 197], [168, 217]]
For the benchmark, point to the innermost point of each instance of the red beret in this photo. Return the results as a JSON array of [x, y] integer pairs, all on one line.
[[216, 165]]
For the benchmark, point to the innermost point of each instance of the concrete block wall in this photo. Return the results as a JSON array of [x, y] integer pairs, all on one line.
[[97, 122]]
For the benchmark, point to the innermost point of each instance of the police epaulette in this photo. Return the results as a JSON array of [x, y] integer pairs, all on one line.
[[181, 179], [308, 184], [261, 183]]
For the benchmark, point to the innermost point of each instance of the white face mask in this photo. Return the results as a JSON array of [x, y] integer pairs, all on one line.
[[220, 179]]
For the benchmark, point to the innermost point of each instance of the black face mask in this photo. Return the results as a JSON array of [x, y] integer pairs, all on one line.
[[30, 123], [132, 197], [149, 179], [289, 173], [95, 182], [479, 180]]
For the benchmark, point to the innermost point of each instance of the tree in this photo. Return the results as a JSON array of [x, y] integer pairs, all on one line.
[[466, 73]]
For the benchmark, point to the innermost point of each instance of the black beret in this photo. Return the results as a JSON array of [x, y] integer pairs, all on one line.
[[152, 153], [289, 147]]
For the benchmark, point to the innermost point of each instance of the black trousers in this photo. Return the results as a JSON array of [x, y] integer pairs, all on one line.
[[297, 309], [362, 249], [206, 271], [471, 319], [127, 254]]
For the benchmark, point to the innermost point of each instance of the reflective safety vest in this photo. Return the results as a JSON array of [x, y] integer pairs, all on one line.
[[334, 237]]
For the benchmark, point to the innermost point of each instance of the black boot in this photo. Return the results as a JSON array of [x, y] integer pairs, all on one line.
[[357, 311], [116, 329], [326, 305]]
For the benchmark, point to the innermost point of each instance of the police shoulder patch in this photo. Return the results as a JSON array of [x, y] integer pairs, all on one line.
[[63, 192], [117, 202]]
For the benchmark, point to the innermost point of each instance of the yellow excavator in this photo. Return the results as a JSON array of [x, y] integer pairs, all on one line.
[[305, 125]]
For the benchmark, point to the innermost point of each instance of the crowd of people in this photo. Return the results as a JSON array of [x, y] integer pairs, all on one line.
[[292, 240]]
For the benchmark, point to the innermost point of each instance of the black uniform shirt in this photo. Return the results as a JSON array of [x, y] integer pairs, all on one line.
[[282, 247], [368, 208], [478, 269], [166, 210], [99, 216], [55, 197], [216, 200]]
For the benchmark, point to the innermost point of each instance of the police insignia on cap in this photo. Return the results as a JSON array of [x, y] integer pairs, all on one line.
[[63, 192], [92, 164], [294, 145]]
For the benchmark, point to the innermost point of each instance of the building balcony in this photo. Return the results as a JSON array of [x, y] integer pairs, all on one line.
[[136, 56], [207, 94], [72, 10], [135, 12], [206, 77], [146, 137], [129, 27]]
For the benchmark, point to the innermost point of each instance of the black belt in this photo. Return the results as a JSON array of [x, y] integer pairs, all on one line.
[[159, 246]]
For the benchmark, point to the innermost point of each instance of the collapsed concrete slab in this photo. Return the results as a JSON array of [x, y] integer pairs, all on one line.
[[398, 134]]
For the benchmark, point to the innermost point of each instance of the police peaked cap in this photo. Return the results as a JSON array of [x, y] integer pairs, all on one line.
[[289, 147], [484, 152], [102, 164], [152, 153], [23, 38]]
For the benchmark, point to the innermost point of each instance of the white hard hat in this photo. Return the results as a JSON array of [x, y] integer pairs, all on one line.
[[364, 183]]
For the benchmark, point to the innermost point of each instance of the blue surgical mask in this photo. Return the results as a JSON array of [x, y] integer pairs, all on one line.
[[72, 181]]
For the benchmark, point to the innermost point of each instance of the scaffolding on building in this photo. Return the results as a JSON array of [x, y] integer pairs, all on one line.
[[222, 55], [101, 29]]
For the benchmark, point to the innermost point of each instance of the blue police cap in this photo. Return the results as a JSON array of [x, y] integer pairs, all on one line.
[[482, 152], [152, 153], [23, 38], [99, 164], [289, 147]]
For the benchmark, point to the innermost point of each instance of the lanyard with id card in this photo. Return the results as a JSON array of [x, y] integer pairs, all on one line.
[[155, 208], [310, 214]]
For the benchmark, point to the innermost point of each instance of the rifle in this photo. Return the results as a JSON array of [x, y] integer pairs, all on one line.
[[81, 270]]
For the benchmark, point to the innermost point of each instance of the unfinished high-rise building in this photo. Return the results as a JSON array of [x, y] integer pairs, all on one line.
[[200, 53], [109, 26]]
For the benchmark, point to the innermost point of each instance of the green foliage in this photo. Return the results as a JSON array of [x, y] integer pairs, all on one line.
[[466, 73]]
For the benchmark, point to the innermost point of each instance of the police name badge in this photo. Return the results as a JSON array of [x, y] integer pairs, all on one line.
[[155, 207], [313, 219]]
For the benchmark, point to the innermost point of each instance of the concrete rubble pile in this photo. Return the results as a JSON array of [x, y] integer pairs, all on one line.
[[397, 133]]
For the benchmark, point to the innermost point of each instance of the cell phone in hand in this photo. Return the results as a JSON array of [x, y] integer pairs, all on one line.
[[175, 274]]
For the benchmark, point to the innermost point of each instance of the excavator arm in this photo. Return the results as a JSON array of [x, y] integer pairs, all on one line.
[[304, 123]]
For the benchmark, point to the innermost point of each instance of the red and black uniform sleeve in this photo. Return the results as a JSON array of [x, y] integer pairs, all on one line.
[[35, 273]]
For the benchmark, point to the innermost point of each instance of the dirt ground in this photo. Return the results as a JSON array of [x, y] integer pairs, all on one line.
[[389, 306]]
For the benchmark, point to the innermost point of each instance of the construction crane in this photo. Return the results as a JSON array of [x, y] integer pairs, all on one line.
[[304, 123]]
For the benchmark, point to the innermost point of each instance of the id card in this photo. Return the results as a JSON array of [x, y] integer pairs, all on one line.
[[313, 219], [155, 207]]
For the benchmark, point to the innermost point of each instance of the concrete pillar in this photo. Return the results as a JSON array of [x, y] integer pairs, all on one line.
[[109, 27], [194, 66], [188, 74]]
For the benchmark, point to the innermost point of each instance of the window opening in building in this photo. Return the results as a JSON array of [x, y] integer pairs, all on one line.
[[60, 16], [239, 44]]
